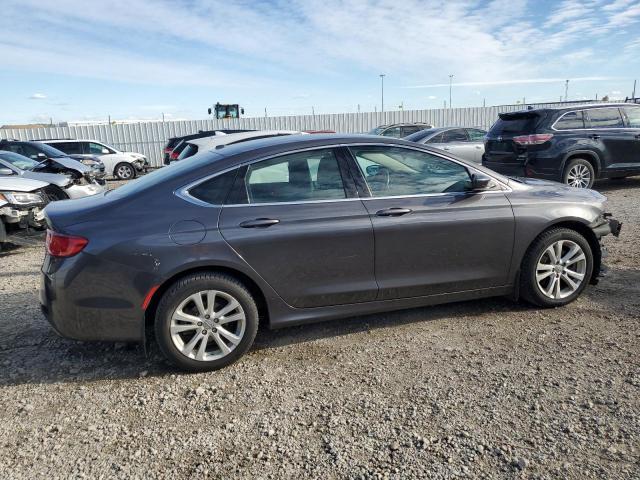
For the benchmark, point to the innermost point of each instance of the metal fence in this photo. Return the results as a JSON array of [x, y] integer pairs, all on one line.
[[149, 138]]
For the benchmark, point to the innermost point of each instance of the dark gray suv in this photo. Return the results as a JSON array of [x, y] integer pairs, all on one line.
[[296, 229]]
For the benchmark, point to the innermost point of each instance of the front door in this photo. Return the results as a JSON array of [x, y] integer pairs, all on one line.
[[297, 221], [432, 234]]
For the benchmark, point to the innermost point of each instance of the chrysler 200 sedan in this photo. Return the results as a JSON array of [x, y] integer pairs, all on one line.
[[297, 229]]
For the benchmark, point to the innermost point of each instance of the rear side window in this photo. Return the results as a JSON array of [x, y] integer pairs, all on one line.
[[392, 132], [633, 116], [476, 135], [408, 130], [299, 177], [570, 121], [215, 190], [605, 118], [458, 135], [189, 151]]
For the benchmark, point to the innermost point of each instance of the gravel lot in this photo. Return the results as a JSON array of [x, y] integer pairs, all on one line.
[[483, 389]]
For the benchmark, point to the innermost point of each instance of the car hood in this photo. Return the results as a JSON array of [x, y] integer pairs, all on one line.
[[551, 190], [52, 178], [72, 164], [19, 184]]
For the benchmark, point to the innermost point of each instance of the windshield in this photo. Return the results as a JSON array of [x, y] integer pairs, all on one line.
[[50, 151], [18, 161], [515, 125]]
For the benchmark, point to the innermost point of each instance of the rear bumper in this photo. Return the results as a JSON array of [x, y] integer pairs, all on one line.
[[81, 305], [533, 166]]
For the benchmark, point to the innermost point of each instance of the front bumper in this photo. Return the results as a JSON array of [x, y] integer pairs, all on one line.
[[607, 226], [80, 191]]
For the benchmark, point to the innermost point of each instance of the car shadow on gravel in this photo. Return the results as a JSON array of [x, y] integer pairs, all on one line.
[[627, 183], [36, 355]]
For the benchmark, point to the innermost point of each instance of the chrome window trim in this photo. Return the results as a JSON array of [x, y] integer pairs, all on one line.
[[183, 192], [619, 107]]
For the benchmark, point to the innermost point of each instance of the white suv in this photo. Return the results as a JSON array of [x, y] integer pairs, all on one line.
[[122, 165]]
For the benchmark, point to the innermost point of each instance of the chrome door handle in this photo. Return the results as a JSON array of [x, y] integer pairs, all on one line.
[[478, 147], [393, 212], [259, 223]]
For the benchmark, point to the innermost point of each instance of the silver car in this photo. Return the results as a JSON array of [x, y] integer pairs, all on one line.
[[465, 143], [69, 184]]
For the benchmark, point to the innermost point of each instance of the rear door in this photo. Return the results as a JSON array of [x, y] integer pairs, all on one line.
[[297, 221], [632, 122], [606, 126], [476, 140], [433, 236], [455, 141]]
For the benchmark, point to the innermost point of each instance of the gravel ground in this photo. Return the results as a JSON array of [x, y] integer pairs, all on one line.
[[483, 389]]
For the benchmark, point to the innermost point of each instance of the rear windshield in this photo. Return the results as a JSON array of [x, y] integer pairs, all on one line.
[[515, 125]]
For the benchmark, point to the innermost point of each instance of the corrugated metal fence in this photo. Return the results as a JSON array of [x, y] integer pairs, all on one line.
[[149, 138]]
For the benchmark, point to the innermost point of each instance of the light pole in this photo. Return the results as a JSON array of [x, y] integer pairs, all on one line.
[[450, 84], [382, 91], [566, 91]]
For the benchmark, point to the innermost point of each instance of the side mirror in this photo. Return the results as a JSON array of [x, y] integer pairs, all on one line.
[[5, 171], [105, 151], [41, 156], [372, 170], [242, 111], [209, 111], [480, 182]]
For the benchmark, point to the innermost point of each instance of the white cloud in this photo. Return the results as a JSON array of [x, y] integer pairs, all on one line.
[[38, 96]]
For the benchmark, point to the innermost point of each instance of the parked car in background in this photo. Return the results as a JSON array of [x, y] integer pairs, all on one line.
[[218, 141], [55, 160], [301, 228], [61, 185], [574, 145], [467, 143], [399, 130], [122, 165], [21, 203], [169, 150]]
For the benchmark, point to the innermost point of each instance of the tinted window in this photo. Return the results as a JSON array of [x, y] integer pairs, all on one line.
[[476, 135], [515, 125], [304, 176], [633, 116], [68, 147], [416, 137], [458, 135], [189, 151], [393, 171], [605, 118], [24, 149], [48, 150], [392, 132], [409, 130], [216, 189], [570, 121], [97, 149], [436, 139]]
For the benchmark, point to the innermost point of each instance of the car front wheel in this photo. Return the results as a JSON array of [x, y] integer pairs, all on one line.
[[206, 321], [556, 268], [124, 171]]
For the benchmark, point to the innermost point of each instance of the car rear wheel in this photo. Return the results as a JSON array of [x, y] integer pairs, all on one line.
[[556, 268], [579, 173], [206, 321], [124, 171]]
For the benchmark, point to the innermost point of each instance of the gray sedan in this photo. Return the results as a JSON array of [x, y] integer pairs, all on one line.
[[300, 228], [466, 143]]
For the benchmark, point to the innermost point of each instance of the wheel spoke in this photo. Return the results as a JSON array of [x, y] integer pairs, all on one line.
[[228, 335], [185, 317], [572, 251], [556, 293], [552, 254], [576, 275], [211, 301], [542, 276], [231, 318], [223, 346], [188, 348], [203, 348], [551, 286], [571, 283], [232, 305], [197, 299], [182, 328], [557, 249], [576, 259]]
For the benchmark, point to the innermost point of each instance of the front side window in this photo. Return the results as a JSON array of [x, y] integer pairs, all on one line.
[[97, 149], [633, 116], [605, 118], [476, 135], [570, 121], [455, 136], [392, 132], [410, 130], [71, 148], [436, 139], [393, 171], [299, 177]]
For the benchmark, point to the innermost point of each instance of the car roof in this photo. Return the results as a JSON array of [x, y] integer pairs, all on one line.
[[567, 108], [210, 142], [402, 124]]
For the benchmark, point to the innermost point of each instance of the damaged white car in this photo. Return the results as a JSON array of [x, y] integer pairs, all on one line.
[[21, 203]]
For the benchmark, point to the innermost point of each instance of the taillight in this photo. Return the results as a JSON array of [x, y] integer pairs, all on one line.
[[537, 139], [174, 155], [59, 245]]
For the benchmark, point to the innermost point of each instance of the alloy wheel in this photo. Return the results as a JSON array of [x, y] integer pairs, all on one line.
[[207, 325], [579, 176], [124, 172], [561, 269]]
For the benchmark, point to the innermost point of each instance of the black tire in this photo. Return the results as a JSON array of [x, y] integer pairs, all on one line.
[[193, 284], [529, 288], [124, 171], [55, 193], [579, 164]]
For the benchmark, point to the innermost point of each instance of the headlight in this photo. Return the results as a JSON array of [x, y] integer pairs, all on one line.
[[21, 198]]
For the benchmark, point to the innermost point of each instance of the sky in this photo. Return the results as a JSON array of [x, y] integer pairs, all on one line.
[[80, 60]]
